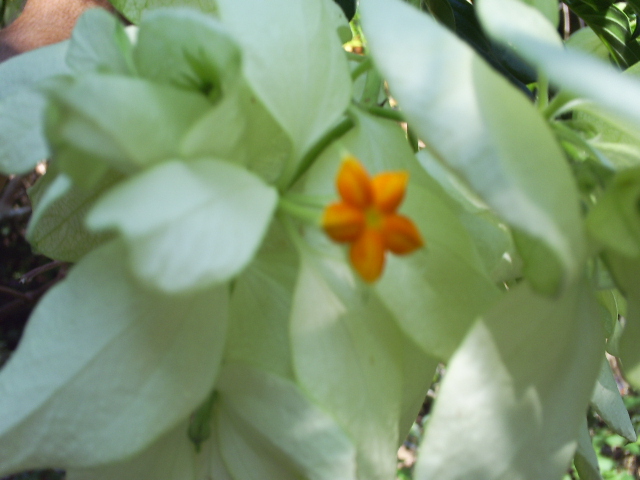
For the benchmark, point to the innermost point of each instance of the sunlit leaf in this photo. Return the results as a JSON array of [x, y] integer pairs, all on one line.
[[187, 49], [516, 391], [423, 289], [171, 457], [106, 367], [577, 72], [481, 126], [306, 85], [260, 305], [188, 225], [101, 121], [279, 410], [347, 355]]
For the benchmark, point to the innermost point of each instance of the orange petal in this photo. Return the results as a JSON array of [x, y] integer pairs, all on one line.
[[342, 222], [367, 255], [354, 184], [389, 189], [401, 236]]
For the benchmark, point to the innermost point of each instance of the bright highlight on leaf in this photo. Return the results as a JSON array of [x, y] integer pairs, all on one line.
[[366, 217]]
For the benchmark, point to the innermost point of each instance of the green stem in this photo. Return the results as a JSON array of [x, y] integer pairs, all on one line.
[[302, 212], [557, 105], [364, 66], [413, 139], [355, 57], [383, 112], [372, 88], [564, 132], [314, 152], [543, 92]]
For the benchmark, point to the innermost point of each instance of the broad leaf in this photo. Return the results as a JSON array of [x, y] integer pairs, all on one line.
[[423, 290], [22, 106], [260, 307], [134, 9], [106, 367], [171, 457], [305, 83], [515, 392], [100, 44], [577, 72], [347, 355], [625, 271], [186, 49], [246, 454], [101, 121], [283, 415], [56, 227], [476, 122], [607, 402], [240, 128], [188, 225], [586, 461], [614, 222]]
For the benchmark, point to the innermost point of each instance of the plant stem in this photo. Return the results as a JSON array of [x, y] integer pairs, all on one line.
[[299, 211], [364, 66], [382, 112], [338, 130], [543, 92]]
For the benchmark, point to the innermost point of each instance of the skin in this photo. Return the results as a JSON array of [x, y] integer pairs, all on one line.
[[43, 22]]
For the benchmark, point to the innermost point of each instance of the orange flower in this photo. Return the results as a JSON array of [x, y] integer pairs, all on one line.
[[367, 219]]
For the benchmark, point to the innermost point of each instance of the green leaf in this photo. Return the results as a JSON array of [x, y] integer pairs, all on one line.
[[56, 227], [614, 222], [481, 126], [347, 355], [586, 461], [101, 121], [515, 392], [625, 271], [306, 83], [240, 128], [283, 415], [260, 305], [100, 44], [607, 402], [246, 454], [106, 367], [587, 41], [171, 457], [22, 106], [134, 9], [616, 29], [187, 49], [422, 290], [596, 81], [418, 370], [188, 225], [517, 17]]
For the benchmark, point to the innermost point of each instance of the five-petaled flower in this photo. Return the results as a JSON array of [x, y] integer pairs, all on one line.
[[367, 219]]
